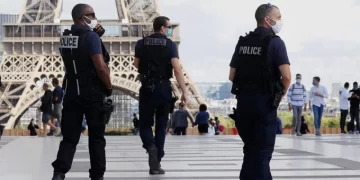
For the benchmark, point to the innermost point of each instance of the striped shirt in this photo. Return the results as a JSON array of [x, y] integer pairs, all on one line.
[[297, 95]]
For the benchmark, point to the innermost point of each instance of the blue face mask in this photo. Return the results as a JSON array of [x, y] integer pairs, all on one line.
[[168, 34], [314, 83]]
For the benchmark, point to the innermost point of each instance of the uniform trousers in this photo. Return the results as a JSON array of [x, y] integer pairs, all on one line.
[[156, 104], [256, 124], [71, 123]]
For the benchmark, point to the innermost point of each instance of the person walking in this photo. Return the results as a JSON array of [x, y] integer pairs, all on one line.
[[297, 98], [344, 105], [156, 58], [318, 93], [260, 72]]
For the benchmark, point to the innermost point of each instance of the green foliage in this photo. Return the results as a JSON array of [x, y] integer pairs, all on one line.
[[332, 123], [21, 127], [286, 118], [117, 133], [227, 122], [326, 122]]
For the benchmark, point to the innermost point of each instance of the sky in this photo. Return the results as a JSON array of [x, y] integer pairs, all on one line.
[[321, 36]]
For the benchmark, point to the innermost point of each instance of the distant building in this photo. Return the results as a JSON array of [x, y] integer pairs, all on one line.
[[5, 19], [335, 88], [215, 90]]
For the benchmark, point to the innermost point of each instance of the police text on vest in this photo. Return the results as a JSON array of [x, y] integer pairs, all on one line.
[[250, 50], [69, 41], [155, 42]]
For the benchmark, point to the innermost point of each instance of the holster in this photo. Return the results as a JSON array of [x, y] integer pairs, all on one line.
[[148, 85], [234, 89], [279, 91], [172, 106], [233, 115], [107, 108]]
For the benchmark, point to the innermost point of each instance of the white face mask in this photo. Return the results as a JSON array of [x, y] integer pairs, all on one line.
[[298, 81], [277, 26], [92, 24]]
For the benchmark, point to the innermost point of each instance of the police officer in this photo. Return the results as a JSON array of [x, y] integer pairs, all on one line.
[[260, 74], [156, 57], [86, 83]]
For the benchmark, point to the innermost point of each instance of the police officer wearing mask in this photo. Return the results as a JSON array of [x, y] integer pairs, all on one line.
[[156, 57], [86, 83], [260, 74]]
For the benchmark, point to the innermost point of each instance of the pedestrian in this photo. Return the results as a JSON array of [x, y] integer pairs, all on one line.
[[354, 108], [86, 84], [344, 105], [136, 124], [317, 96], [156, 56], [57, 97], [297, 98], [46, 109], [180, 120], [260, 72]]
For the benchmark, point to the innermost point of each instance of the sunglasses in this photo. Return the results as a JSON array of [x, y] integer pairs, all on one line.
[[90, 14], [268, 6], [169, 27]]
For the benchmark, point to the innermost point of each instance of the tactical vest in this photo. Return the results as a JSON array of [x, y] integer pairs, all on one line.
[[253, 71], [155, 61], [81, 78]]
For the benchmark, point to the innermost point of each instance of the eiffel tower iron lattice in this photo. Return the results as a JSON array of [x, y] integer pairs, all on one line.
[[31, 53]]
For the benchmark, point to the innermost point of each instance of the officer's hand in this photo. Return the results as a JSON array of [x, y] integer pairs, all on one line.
[[290, 107], [99, 30], [183, 99], [108, 92]]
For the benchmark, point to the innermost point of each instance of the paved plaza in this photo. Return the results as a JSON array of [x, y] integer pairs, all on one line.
[[335, 157]]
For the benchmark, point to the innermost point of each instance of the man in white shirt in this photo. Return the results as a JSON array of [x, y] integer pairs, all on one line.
[[317, 97], [297, 100], [344, 105]]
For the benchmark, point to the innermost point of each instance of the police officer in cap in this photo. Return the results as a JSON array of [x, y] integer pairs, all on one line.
[[86, 83], [156, 57], [261, 75]]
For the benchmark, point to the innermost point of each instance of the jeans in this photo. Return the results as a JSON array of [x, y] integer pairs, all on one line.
[[318, 112], [155, 103], [71, 123], [296, 124], [354, 115], [343, 116], [256, 123]]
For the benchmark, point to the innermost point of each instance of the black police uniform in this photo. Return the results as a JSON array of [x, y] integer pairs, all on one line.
[[155, 93], [84, 94], [254, 86]]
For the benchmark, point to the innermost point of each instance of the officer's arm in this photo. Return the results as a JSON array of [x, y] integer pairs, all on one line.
[[178, 74], [232, 74], [233, 63], [138, 53], [101, 70], [95, 52], [136, 62], [285, 75], [191, 119]]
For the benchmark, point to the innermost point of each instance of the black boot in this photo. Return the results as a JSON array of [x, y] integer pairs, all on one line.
[[58, 176], [154, 163]]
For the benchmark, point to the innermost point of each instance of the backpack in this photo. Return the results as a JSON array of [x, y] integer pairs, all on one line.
[[303, 87]]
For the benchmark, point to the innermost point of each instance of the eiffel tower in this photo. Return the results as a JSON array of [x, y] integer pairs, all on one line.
[[31, 53]]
